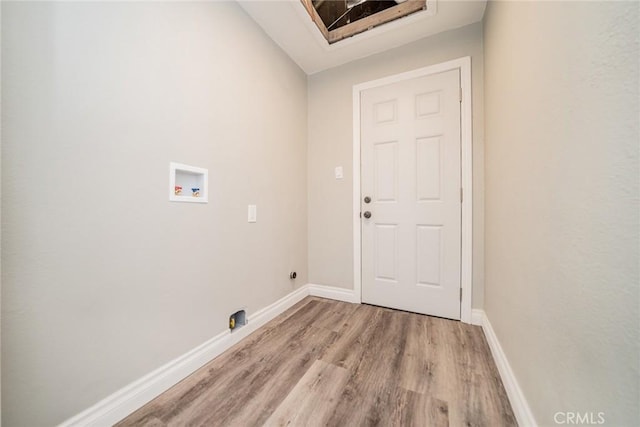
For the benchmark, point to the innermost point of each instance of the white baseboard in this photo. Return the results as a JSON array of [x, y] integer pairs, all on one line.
[[331, 292], [264, 315], [133, 396], [477, 316], [128, 399], [518, 402]]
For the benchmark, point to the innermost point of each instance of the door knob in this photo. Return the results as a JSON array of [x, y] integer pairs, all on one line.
[[367, 214], [367, 199]]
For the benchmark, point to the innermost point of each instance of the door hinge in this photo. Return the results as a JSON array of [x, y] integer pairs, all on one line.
[[461, 195], [460, 294], [460, 95]]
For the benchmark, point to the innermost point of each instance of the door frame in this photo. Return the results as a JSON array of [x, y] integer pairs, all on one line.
[[466, 268]]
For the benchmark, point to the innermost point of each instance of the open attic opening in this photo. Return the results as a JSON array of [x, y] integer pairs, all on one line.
[[340, 19]]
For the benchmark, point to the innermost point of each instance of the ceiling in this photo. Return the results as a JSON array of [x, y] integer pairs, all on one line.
[[290, 26]]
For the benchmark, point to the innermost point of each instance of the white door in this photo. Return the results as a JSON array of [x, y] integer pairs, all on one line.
[[410, 170]]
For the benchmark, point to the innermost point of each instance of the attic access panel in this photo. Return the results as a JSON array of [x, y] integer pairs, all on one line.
[[340, 19]]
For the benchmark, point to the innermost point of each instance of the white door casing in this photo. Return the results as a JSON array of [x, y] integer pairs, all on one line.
[[414, 142]]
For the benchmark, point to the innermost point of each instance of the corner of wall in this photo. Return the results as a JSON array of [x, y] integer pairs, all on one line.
[[519, 403]]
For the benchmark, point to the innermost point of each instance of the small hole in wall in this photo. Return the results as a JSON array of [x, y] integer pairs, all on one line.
[[237, 320]]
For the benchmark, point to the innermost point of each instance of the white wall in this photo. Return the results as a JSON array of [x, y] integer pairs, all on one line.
[[0, 217], [103, 279], [562, 212], [331, 145]]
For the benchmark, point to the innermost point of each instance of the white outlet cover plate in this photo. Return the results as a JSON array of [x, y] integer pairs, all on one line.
[[252, 213], [339, 173]]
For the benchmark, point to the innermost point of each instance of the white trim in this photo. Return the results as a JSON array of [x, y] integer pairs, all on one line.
[[464, 65], [477, 316], [128, 399], [331, 292], [357, 223], [301, 11], [466, 131], [133, 396], [519, 404], [264, 315]]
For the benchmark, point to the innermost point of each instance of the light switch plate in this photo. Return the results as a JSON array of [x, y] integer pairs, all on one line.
[[339, 173], [252, 213]]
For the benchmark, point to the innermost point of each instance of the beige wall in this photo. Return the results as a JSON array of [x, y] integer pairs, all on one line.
[[331, 144], [0, 217], [562, 212], [103, 279]]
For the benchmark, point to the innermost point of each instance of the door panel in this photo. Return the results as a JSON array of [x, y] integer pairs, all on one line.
[[386, 171], [386, 252], [410, 165], [429, 248], [428, 168]]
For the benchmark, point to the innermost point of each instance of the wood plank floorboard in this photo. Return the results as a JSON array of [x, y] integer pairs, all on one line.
[[330, 363], [322, 383]]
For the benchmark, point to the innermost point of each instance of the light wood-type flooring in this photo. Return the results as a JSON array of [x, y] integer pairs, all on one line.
[[330, 363]]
